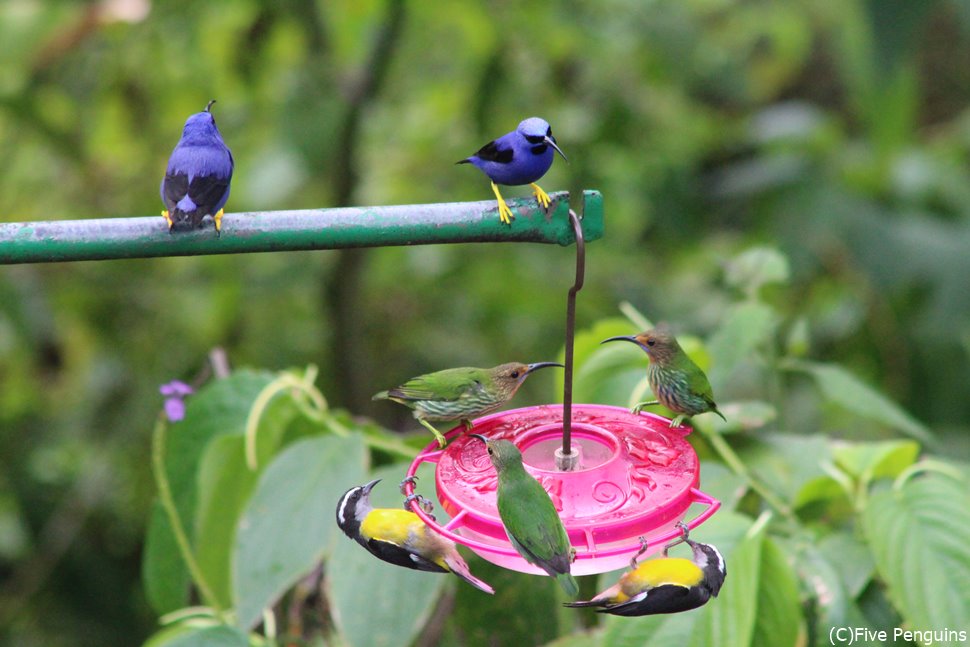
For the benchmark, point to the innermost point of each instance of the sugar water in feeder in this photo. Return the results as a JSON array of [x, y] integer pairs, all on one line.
[[632, 476]]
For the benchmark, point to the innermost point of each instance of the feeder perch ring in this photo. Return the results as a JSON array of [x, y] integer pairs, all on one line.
[[636, 477]]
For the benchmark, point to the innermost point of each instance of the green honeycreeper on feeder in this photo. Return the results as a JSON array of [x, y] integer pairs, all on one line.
[[460, 393], [529, 516], [678, 383]]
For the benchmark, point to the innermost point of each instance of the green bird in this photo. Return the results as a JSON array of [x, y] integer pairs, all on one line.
[[677, 382], [460, 393], [529, 516]]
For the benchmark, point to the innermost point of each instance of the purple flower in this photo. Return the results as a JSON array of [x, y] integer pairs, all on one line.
[[175, 393]]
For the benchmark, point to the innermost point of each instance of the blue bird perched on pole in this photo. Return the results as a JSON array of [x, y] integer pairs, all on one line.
[[197, 179], [519, 157]]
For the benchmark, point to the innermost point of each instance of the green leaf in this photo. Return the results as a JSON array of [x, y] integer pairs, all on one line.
[[756, 267], [843, 388], [219, 408], [872, 460], [746, 327], [787, 462], [851, 559], [779, 619], [164, 573], [225, 483], [920, 538], [373, 602], [835, 607], [217, 636], [289, 522]]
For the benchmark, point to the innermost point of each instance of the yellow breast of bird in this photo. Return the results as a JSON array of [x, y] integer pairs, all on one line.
[[393, 525], [656, 572]]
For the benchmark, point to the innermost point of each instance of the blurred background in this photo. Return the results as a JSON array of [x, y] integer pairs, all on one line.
[[836, 131]]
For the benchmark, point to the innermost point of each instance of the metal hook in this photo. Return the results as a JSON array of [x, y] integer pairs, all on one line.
[[567, 459]]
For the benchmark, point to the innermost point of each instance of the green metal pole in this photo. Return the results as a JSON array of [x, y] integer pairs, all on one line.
[[274, 231]]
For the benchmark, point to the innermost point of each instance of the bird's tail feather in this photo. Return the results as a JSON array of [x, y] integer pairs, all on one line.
[[579, 604], [460, 568], [380, 396], [568, 584]]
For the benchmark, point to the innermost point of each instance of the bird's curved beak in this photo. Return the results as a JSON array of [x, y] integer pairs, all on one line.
[[552, 143], [531, 368], [480, 437], [370, 486], [629, 338]]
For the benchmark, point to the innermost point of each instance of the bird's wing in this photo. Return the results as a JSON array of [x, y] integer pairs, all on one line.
[[444, 386], [496, 151], [668, 598], [174, 188], [540, 536], [401, 556]]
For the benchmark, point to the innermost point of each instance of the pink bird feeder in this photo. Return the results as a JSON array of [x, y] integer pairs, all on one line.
[[633, 477], [614, 477]]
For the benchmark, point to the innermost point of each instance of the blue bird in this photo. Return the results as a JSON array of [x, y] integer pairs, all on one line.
[[519, 157], [197, 179]]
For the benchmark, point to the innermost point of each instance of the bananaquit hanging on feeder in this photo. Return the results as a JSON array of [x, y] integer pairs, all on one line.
[[614, 477]]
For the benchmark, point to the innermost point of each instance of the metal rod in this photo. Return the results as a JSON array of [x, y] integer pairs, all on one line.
[[273, 231], [566, 461]]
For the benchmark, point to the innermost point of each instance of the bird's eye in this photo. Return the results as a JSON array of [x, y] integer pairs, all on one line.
[[490, 451], [651, 342], [515, 374], [549, 131]]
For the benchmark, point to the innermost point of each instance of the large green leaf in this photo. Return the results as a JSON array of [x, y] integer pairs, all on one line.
[[843, 388], [373, 602], [219, 408], [289, 522], [787, 462], [746, 327], [779, 620], [214, 636], [165, 577], [835, 607], [920, 538], [872, 460], [225, 483]]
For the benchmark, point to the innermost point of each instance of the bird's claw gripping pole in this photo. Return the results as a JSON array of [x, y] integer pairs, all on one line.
[[567, 458]]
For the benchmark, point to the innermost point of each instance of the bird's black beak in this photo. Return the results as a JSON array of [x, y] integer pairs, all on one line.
[[370, 486], [480, 437], [622, 338], [552, 142], [209, 105], [531, 368]]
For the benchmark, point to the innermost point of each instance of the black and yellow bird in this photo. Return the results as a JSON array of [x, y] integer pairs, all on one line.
[[400, 537], [664, 585]]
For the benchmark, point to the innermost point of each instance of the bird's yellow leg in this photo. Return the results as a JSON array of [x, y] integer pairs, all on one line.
[[676, 421], [168, 219], [541, 195], [218, 220], [649, 403], [437, 434], [504, 213], [468, 424]]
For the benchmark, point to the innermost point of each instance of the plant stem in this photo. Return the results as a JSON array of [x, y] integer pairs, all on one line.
[[734, 462]]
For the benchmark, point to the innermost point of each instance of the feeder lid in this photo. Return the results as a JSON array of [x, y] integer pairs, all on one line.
[[635, 477]]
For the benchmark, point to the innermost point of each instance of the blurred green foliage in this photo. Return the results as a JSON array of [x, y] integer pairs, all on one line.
[[785, 180]]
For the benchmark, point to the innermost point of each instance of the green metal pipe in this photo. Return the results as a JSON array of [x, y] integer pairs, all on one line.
[[274, 231]]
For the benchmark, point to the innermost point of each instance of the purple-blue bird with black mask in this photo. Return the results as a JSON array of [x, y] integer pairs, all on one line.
[[520, 157], [197, 179]]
